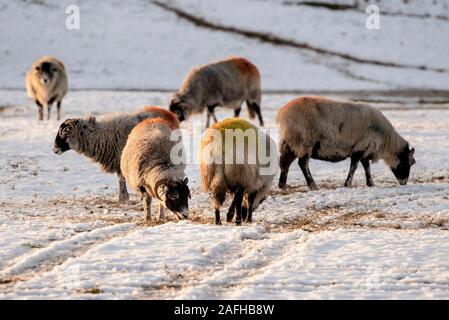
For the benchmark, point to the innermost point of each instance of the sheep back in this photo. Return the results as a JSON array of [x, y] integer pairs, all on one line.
[[149, 146], [226, 82], [168, 116], [332, 130], [217, 172]]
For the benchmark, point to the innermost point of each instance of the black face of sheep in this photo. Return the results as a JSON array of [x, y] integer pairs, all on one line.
[[177, 195], [405, 162], [66, 132], [45, 72], [179, 108]]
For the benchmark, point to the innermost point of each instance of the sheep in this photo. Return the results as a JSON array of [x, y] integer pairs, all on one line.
[[226, 83], [46, 83], [148, 167], [318, 128], [103, 139], [241, 168]]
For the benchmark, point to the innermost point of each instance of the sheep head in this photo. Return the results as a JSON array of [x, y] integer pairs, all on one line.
[[175, 196]]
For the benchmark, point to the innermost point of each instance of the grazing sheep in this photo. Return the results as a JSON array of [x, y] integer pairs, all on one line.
[[226, 83], [237, 158], [103, 139], [148, 167], [46, 83], [317, 128]]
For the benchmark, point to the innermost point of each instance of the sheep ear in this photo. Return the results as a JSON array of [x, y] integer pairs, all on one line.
[[162, 192], [186, 180], [411, 158]]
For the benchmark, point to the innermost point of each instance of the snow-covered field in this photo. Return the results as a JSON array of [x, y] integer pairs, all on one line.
[[63, 235]]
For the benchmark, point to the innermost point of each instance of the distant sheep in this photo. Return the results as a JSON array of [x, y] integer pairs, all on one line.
[[226, 83], [46, 83], [103, 139], [246, 180], [317, 128], [147, 166]]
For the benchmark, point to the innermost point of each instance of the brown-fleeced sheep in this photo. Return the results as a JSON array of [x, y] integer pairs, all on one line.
[[240, 159], [225, 83], [318, 128]]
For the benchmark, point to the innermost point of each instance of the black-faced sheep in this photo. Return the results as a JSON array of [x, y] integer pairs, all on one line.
[[103, 139], [46, 83], [318, 128], [240, 159], [226, 83], [148, 167]]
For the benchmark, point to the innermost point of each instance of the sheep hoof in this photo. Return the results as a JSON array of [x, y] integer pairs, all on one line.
[[123, 198], [282, 185], [218, 223], [313, 187], [238, 223], [370, 184]]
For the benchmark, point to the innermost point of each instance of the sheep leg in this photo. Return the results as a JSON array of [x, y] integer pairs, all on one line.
[[354, 164], [40, 110], [369, 178], [231, 211], [211, 112], [123, 195], [213, 116], [58, 108], [146, 205], [304, 165], [218, 196], [49, 105], [256, 108], [238, 206], [237, 112], [244, 208], [208, 119], [48, 111], [161, 212], [217, 217], [287, 157], [249, 209]]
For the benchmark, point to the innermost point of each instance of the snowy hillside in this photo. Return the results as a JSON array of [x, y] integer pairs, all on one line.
[[147, 46]]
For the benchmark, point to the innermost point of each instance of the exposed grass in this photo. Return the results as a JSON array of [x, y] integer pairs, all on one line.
[[94, 290]]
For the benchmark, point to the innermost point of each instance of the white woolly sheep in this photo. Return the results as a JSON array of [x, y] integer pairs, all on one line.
[[148, 167], [103, 139], [46, 83]]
